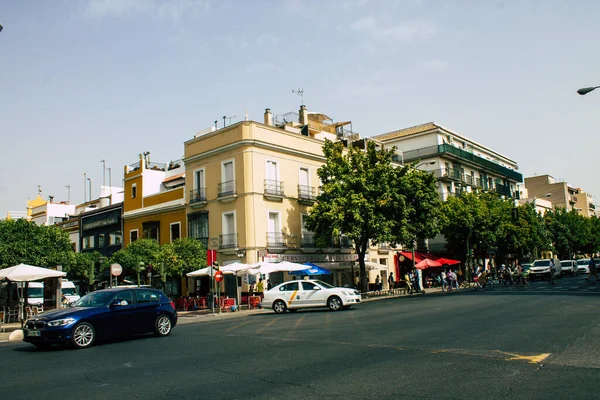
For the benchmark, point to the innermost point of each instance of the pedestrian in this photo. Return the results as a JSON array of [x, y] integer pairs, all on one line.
[[377, 283], [593, 269], [443, 278], [252, 288], [552, 271], [269, 286], [260, 289], [508, 276], [391, 281], [409, 288]]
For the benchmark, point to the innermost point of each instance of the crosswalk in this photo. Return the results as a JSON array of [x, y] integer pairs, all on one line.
[[565, 284]]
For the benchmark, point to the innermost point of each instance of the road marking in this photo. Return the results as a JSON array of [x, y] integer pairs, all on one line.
[[385, 346], [535, 359], [237, 326], [300, 321], [262, 328], [503, 355]]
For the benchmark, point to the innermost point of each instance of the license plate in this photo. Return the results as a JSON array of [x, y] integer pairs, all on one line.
[[34, 333]]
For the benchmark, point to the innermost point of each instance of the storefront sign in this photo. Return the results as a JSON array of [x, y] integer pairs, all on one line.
[[302, 258], [102, 220]]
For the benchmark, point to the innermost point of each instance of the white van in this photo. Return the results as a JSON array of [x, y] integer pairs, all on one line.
[[69, 290], [35, 292]]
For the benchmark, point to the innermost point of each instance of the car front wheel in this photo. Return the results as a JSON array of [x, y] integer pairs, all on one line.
[[83, 336], [163, 325], [279, 307], [335, 303]]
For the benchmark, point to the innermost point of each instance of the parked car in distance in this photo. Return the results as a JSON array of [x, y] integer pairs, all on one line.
[[69, 290], [583, 266], [293, 295], [101, 315], [541, 269], [568, 267]]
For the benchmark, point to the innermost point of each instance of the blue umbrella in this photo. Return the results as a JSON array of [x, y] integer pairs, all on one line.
[[313, 269]]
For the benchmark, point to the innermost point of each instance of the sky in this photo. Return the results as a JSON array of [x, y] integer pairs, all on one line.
[[83, 81]]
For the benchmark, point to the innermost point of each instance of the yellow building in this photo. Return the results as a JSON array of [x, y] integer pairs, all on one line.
[[154, 201], [250, 185]]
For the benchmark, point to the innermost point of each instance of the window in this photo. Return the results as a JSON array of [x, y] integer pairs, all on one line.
[[199, 193], [124, 296], [274, 235], [88, 242], [114, 238], [272, 171], [101, 240], [309, 286], [151, 230], [229, 237], [133, 235], [228, 223], [198, 227], [303, 178], [146, 296], [175, 231], [134, 191], [289, 287]]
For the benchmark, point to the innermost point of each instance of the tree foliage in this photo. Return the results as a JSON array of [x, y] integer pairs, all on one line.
[[183, 256], [364, 197], [25, 242]]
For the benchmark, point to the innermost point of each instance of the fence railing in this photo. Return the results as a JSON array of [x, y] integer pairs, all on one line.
[[276, 239], [226, 188], [197, 195], [273, 187], [306, 193], [228, 241]]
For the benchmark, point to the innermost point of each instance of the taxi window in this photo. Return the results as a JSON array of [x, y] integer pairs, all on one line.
[[309, 286], [288, 287]]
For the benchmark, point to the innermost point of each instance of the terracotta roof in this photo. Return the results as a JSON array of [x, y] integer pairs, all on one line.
[[413, 130], [174, 177]]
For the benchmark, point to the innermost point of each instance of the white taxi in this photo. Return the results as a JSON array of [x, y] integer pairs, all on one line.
[[293, 295]]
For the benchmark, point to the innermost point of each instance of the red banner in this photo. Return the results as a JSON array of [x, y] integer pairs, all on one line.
[[211, 257]]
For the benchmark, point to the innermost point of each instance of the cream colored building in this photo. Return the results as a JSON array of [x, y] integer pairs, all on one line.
[[250, 185], [561, 194]]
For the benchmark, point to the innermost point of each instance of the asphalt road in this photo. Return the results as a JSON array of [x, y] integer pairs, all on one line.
[[537, 343]]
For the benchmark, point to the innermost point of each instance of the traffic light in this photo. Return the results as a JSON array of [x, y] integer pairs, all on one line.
[[216, 265]]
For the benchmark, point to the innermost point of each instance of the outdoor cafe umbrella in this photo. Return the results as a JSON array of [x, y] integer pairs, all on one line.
[[28, 273], [313, 269], [426, 263]]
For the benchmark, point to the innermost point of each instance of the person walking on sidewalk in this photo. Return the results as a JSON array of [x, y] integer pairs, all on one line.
[[593, 269], [552, 271]]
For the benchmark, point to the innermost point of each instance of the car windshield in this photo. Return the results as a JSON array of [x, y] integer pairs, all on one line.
[[526, 267], [324, 284], [35, 292], [566, 263], [69, 291], [94, 299], [541, 263], [583, 262]]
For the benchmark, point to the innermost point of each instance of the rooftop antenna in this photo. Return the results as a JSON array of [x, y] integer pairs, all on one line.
[[39, 189], [299, 92], [103, 172], [230, 118], [68, 193]]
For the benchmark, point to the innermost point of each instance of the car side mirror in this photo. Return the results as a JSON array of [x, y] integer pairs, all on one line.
[[118, 303], [317, 288]]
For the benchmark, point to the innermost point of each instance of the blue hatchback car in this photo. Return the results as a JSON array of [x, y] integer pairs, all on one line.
[[104, 314]]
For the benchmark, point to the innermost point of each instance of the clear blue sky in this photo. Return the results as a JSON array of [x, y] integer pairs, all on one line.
[[83, 81]]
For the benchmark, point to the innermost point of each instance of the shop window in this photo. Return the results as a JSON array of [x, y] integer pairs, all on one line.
[[114, 238], [88, 242], [101, 240]]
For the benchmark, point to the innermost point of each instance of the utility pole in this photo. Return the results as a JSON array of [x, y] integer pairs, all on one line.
[[84, 187], [103, 172]]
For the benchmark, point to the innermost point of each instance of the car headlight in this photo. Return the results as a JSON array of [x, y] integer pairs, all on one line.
[[346, 293], [61, 322]]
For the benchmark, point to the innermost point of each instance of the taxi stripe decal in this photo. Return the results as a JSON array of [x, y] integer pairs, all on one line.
[[292, 298]]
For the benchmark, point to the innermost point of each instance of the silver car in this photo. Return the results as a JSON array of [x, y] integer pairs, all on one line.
[[568, 267], [583, 266]]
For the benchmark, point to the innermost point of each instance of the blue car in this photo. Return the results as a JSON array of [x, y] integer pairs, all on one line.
[[101, 315]]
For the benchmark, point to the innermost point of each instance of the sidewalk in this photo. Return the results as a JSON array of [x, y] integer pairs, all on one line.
[[197, 316]]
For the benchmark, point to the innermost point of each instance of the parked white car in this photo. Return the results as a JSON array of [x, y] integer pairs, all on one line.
[[541, 269], [568, 267], [583, 266], [293, 295]]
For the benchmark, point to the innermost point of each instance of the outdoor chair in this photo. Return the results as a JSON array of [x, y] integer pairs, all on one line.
[[28, 312], [13, 314], [2, 320]]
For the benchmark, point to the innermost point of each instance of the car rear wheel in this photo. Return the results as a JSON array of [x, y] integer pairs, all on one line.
[[279, 307], [83, 336], [163, 325], [335, 303]]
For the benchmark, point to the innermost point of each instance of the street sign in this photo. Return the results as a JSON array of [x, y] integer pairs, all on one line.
[[116, 269], [218, 276], [213, 243]]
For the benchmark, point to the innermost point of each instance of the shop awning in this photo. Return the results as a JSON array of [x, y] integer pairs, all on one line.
[[422, 256]]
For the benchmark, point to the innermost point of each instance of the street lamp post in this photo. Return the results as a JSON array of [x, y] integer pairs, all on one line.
[[139, 269], [584, 91], [419, 274]]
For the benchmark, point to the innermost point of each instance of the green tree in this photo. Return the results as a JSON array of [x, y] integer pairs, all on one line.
[[25, 242], [182, 256], [364, 197], [142, 250]]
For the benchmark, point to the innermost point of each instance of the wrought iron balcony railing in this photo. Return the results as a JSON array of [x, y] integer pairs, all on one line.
[[274, 188], [276, 239], [226, 189], [228, 241], [197, 195]]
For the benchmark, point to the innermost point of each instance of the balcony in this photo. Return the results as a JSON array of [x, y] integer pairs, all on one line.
[[276, 239], [384, 248], [228, 241], [306, 195], [449, 175], [273, 190], [308, 240], [226, 191], [198, 197], [503, 190], [454, 152]]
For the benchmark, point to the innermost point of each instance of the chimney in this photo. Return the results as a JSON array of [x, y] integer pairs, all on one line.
[[303, 115], [268, 117]]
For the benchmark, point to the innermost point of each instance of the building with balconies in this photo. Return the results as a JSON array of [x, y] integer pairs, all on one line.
[[562, 194], [250, 186], [459, 163]]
